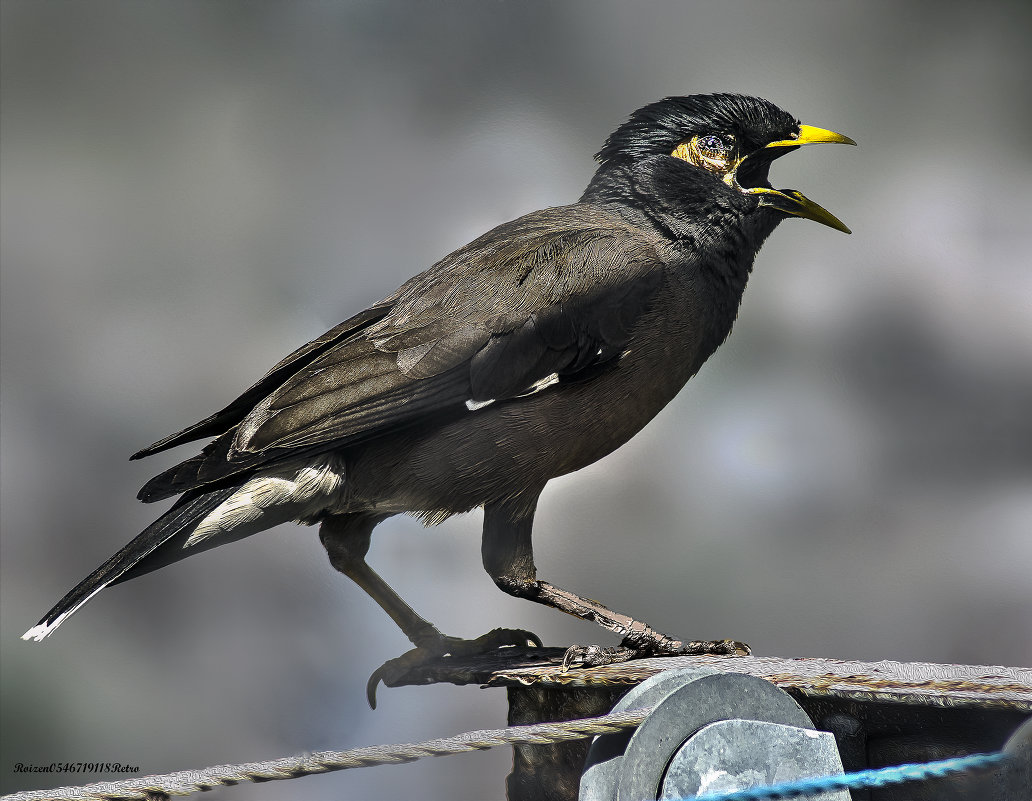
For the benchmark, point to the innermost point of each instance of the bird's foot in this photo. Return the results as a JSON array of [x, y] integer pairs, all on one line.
[[432, 648], [638, 646]]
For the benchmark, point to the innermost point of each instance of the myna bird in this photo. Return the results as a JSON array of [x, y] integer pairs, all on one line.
[[531, 352]]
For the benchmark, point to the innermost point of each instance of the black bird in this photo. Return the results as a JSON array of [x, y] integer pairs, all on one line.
[[531, 352]]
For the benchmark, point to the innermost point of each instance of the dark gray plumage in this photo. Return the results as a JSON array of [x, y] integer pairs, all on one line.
[[529, 353]]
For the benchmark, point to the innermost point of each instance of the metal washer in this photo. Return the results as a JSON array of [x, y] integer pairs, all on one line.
[[605, 756], [704, 700]]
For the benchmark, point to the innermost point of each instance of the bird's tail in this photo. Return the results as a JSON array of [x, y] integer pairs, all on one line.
[[133, 559]]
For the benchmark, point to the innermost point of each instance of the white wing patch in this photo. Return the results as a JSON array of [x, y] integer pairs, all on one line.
[[544, 383], [534, 388], [291, 493]]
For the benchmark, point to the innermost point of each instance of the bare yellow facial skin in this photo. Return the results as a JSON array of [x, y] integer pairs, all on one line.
[[703, 151]]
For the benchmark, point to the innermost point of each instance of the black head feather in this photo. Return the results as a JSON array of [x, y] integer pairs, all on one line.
[[656, 129]]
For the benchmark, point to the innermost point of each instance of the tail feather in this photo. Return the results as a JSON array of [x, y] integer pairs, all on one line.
[[189, 510]]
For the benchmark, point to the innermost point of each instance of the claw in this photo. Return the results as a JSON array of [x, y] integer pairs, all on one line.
[[395, 668], [736, 648], [371, 685], [585, 656]]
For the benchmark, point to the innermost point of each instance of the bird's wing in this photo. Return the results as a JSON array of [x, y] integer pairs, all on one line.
[[555, 293]]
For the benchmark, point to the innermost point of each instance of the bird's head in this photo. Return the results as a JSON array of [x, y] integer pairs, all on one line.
[[688, 153]]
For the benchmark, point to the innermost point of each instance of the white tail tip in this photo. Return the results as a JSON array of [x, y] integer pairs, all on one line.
[[40, 631], [44, 629]]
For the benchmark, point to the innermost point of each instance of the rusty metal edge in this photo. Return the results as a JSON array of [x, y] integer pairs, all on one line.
[[890, 682]]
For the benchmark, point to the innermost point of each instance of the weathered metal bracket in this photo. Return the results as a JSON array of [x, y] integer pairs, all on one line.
[[881, 713], [707, 732]]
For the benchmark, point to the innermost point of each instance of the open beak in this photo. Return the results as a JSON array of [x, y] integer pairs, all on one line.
[[791, 201]]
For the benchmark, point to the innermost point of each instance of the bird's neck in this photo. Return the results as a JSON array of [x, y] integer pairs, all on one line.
[[714, 264], [712, 241], [730, 228]]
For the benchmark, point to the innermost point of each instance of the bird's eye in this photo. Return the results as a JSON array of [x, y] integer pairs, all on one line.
[[713, 152], [712, 146]]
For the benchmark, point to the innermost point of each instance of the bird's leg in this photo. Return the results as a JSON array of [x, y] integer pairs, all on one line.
[[509, 559], [346, 539]]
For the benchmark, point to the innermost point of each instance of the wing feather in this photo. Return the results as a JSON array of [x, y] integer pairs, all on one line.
[[557, 292]]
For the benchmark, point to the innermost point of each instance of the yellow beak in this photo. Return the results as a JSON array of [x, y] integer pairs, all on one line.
[[791, 201], [810, 135]]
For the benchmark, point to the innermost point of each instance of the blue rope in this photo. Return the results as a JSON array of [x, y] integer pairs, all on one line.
[[878, 777]]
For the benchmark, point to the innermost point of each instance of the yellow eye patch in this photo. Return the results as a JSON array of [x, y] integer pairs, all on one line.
[[709, 151]]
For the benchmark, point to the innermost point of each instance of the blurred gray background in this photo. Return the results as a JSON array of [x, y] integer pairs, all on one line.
[[190, 190]]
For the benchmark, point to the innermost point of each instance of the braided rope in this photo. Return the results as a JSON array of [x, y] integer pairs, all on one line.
[[862, 779], [188, 782]]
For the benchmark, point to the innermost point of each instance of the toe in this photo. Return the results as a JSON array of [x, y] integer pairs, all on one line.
[[718, 648], [501, 638], [435, 647], [587, 656]]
